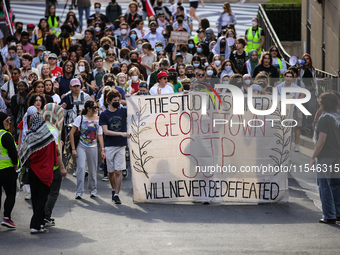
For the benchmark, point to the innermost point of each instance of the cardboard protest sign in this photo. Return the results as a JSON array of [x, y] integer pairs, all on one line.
[[179, 37], [180, 154]]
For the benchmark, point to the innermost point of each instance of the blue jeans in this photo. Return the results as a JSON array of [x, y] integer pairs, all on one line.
[[329, 187], [87, 14]]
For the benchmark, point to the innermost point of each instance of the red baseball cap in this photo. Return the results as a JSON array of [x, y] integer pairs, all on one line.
[[162, 74], [30, 26]]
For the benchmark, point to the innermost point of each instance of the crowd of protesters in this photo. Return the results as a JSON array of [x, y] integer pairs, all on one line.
[[64, 86]]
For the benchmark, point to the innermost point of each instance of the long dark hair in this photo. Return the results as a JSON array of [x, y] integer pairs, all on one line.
[[32, 99], [88, 104]]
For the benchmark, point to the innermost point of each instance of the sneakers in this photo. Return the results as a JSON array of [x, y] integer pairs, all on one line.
[[8, 223], [78, 197], [116, 200], [93, 195], [101, 167], [125, 173], [74, 174], [296, 148], [28, 196], [105, 179], [36, 231], [49, 222]]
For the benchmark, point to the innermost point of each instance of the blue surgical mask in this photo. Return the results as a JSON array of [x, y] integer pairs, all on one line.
[[227, 68], [225, 82], [206, 63], [196, 65], [159, 48], [97, 9], [191, 46], [133, 36], [199, 50], [210, 72]]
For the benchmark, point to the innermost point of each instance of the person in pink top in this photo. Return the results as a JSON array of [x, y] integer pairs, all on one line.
[[28, 48]]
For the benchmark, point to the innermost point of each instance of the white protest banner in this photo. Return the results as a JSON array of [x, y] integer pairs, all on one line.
[[179, 154], [179, 37]]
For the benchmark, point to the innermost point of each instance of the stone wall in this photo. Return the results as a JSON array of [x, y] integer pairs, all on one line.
[[331, 11]]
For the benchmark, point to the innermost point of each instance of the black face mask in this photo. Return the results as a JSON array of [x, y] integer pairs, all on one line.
[[159, 3], [109, 83], [172, 77], [222, 44], [115, 71], [134, 60], [184, 49], [19, 30], [189, 75], [143, 94], [186, 87], [64, 58], [106, 47], [180, 21], [115, 104], [239, 84]]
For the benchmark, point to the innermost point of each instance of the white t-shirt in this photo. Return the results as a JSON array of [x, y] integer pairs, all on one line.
[[88, 131], [166, 90]]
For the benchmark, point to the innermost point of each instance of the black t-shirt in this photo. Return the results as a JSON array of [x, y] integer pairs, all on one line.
[[239, 60], [307, 74], [271, 71]]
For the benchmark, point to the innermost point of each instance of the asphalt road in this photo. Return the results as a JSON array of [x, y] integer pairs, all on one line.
[[97, 226]]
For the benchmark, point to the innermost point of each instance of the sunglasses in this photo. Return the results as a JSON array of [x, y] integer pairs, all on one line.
[[95, 107], [53, 58], [110, 54], [165, 78], [273, 51], [68, 65], [142, 85], [161, 54], [8, 121], [200, 74]]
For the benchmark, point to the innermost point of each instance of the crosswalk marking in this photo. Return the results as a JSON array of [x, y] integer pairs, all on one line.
[[33, 12]]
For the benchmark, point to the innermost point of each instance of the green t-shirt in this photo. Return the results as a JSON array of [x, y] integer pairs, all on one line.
[[177, 85], [331, 148]]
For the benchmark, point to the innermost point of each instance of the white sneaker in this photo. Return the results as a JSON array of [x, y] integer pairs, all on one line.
[[36, 231], [28, 196], [296, 148]]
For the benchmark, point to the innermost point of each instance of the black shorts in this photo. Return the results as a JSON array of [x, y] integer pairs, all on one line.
[[194, 4]]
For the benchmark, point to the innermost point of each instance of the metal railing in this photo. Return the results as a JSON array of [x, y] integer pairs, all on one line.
[[331, 81]]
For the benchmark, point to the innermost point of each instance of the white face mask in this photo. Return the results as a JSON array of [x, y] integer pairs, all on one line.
[[217, 62], [139, 46], [227, 68], [254, 24], [81, 69], [123, 31], [97, 29], [247, 82], [134, 78]]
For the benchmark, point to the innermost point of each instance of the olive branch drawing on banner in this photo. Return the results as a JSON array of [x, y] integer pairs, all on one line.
[[137, 128], [283, 140]]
